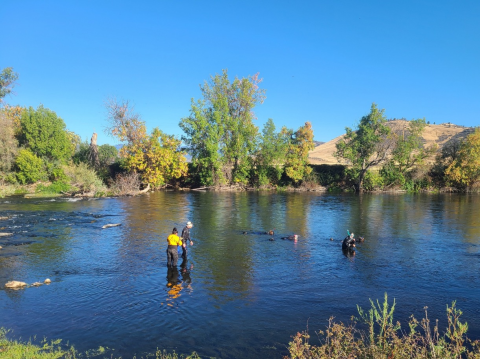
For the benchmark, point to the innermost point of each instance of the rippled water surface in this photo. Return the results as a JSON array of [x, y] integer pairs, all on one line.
[[240, 295]]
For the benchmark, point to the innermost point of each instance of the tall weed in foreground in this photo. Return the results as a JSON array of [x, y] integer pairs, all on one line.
[[384, 339]]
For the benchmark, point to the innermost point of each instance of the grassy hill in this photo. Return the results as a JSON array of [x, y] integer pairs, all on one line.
[[439, 134]]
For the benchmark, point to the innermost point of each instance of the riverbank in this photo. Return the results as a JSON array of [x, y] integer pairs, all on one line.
[[384, 338]]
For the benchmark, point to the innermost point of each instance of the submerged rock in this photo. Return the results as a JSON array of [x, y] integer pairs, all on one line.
[[37, 284], [13, 284], [111, 225]]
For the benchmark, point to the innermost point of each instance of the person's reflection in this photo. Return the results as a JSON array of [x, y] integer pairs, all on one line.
[[174, 284], [185, 270], [349, 253]]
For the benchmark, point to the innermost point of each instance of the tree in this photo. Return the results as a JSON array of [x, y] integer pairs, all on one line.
[[8, 142], [226, 113], [7, 82], [156, 157], [271, 154], [202, 138], [45, 134], [107, 155], [296, 165], [365, 147], [408, 152], [464, 171]]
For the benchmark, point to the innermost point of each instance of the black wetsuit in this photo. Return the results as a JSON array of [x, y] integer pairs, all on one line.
[[185, 240], [348, 243]]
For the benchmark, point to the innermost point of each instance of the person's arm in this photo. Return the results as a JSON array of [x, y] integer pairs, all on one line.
[[191, 242]]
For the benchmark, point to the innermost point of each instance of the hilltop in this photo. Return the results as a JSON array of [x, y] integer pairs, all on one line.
[[439, 134]]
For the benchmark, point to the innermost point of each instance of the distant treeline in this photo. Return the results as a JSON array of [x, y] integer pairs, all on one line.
[[226, 148]]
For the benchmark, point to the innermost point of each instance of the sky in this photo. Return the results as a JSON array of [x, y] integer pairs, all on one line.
[[324, 62]]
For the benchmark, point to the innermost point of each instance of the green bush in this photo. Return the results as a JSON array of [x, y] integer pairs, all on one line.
[[84, 179], [373, 181], [29, 167]]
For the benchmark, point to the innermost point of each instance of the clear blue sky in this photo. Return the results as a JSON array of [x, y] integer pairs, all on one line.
[[321, 61]]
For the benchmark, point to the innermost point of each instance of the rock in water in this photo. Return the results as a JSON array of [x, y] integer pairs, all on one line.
[[111, 225], [47, 281], [5, 234], [13, 284], [37, 284]]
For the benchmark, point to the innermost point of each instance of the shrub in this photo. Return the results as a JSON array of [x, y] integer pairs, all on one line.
[[373, 181], [84, 179], [29, 167], [126, 184]]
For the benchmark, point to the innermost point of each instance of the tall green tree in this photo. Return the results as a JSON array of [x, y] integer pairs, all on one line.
[[202, 133], [45, 134], [366, 146], [296, 165], [226, 113], [7, 82], [271, 154]]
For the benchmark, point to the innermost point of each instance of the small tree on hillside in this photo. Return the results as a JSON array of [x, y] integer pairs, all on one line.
[[365, 147]]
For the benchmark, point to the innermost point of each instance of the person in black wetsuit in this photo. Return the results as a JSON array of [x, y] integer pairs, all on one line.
[[186, 238], [348, 243]]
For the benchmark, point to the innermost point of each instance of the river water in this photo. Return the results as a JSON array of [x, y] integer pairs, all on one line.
[[239, 295]]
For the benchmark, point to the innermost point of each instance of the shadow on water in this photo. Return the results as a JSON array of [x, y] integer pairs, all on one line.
[[238, 295]]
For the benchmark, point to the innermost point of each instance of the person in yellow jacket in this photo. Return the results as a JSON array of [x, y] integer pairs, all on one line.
[[172, 252]]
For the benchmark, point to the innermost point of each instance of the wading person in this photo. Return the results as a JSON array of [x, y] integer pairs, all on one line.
[[349, 243], [186, 238], [172, 251]]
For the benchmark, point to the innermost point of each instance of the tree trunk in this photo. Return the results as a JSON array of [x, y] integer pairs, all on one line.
[[94, 161]]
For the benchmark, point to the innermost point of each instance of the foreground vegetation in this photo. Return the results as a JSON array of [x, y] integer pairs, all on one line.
[[227, 150], [13, 349], [382, 339], [385, 338]]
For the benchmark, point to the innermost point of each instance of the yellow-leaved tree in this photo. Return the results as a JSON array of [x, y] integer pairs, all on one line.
[[464, 171], [296, 164], [157, 157]]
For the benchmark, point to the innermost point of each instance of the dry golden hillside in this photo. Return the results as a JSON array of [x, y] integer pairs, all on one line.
[[439, 134]]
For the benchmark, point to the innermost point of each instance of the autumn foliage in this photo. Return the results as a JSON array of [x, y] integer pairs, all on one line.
[[155, 157]]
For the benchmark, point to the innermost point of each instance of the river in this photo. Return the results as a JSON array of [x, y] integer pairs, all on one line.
[[240, 295]]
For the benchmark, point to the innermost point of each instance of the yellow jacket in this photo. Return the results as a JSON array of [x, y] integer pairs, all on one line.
[[174, 240]]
